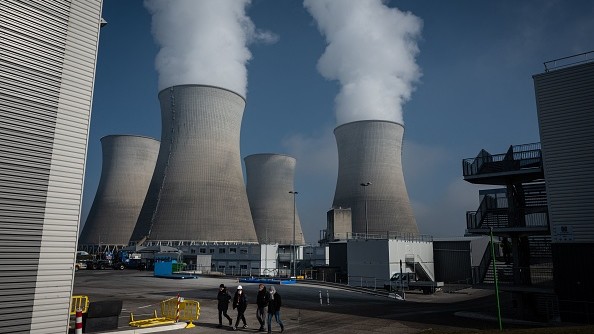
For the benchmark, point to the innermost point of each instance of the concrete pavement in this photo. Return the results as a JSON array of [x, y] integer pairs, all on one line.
[[349, 311]]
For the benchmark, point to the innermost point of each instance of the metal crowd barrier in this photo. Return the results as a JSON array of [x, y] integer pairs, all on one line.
[[172, 310]]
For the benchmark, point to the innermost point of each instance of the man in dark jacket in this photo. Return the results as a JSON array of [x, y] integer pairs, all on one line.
[[240, 302], [262, 302], [224, 298], [274, 306]]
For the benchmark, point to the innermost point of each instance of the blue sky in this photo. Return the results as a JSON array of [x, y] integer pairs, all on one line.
[[476, 92]]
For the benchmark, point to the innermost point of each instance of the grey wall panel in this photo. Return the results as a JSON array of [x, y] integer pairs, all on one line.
[[571, 276], [197, 191], [453, 261], [371, 151], [270, 177], [128, 166], [43, 132], [565, 104]]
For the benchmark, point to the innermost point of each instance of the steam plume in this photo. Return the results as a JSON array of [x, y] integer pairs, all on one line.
[[204, 42], [371, 52]]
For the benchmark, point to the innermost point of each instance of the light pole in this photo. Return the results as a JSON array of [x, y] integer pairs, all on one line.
[[293, 255], [365, 185]]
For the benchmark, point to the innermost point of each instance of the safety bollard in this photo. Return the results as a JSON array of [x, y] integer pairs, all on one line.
[[78, 325], [327, 297], [321, 298]]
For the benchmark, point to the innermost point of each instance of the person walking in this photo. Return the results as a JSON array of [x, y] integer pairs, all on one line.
[[262, 302], [240, 303], [224, 298], [274, 306]]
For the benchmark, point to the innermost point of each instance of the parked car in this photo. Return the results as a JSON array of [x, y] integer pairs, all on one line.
[[80, 265]]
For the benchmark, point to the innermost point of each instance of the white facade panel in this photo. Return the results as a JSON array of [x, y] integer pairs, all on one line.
[[373, 261], [565, 105], [43, 135]]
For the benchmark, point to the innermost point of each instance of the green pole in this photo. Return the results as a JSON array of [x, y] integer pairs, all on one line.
[[496, 280]]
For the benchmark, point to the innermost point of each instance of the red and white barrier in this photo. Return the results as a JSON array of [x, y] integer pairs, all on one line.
[[177, 310], [78, 325]]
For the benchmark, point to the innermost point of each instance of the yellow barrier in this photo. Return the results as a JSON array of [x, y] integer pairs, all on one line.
[[154, 321], [77, 302], [189, 310]]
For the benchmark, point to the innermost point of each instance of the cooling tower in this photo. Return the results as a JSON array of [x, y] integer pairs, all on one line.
[[370, 151], [128, 166], [197, 192], [269, 181]]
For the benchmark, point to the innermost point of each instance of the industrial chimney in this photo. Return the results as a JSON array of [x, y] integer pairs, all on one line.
[[370, 179], [269, 183], [197, 192], [128, 165]]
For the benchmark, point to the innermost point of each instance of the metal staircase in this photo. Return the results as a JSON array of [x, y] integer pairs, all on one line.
[[505, 273], [417, 265], [521, 163], [495, 212]]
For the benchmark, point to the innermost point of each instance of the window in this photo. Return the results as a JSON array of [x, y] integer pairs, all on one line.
[[193, 251], [222, 250], [202, 250], [211, 251], [243, 251], [243, 266], [232, 250]]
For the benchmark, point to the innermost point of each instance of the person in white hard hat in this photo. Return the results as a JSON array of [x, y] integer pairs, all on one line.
[[240, 303]]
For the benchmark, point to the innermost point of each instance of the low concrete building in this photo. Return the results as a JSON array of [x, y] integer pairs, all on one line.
[[237, 258], [373, 261]]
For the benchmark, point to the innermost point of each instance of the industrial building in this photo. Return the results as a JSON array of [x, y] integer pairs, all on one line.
[[127, 168], [48, 53], [544, 210], [458, 259], [239, 259], [197, 192], [565, 105], [373, 261], [370, 178]]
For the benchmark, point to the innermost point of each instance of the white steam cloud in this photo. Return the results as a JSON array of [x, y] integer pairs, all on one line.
[[204, 42], [371, 52]]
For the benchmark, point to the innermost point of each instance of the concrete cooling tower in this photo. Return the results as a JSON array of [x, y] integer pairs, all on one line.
[[197, 192], [128, 166], [370, 151], [269, 181]]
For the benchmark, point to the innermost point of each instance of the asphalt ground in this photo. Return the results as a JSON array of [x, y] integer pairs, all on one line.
[[349, 310]]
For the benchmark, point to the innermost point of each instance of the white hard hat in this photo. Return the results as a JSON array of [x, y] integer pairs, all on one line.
[[239, 287]]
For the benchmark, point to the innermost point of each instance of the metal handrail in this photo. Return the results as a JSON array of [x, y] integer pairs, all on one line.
[[568, 61], [525, 157], [391, 235]]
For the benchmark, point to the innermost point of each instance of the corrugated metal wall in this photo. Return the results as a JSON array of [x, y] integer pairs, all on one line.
[[565, 103], [452, 261], [47, 65]]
